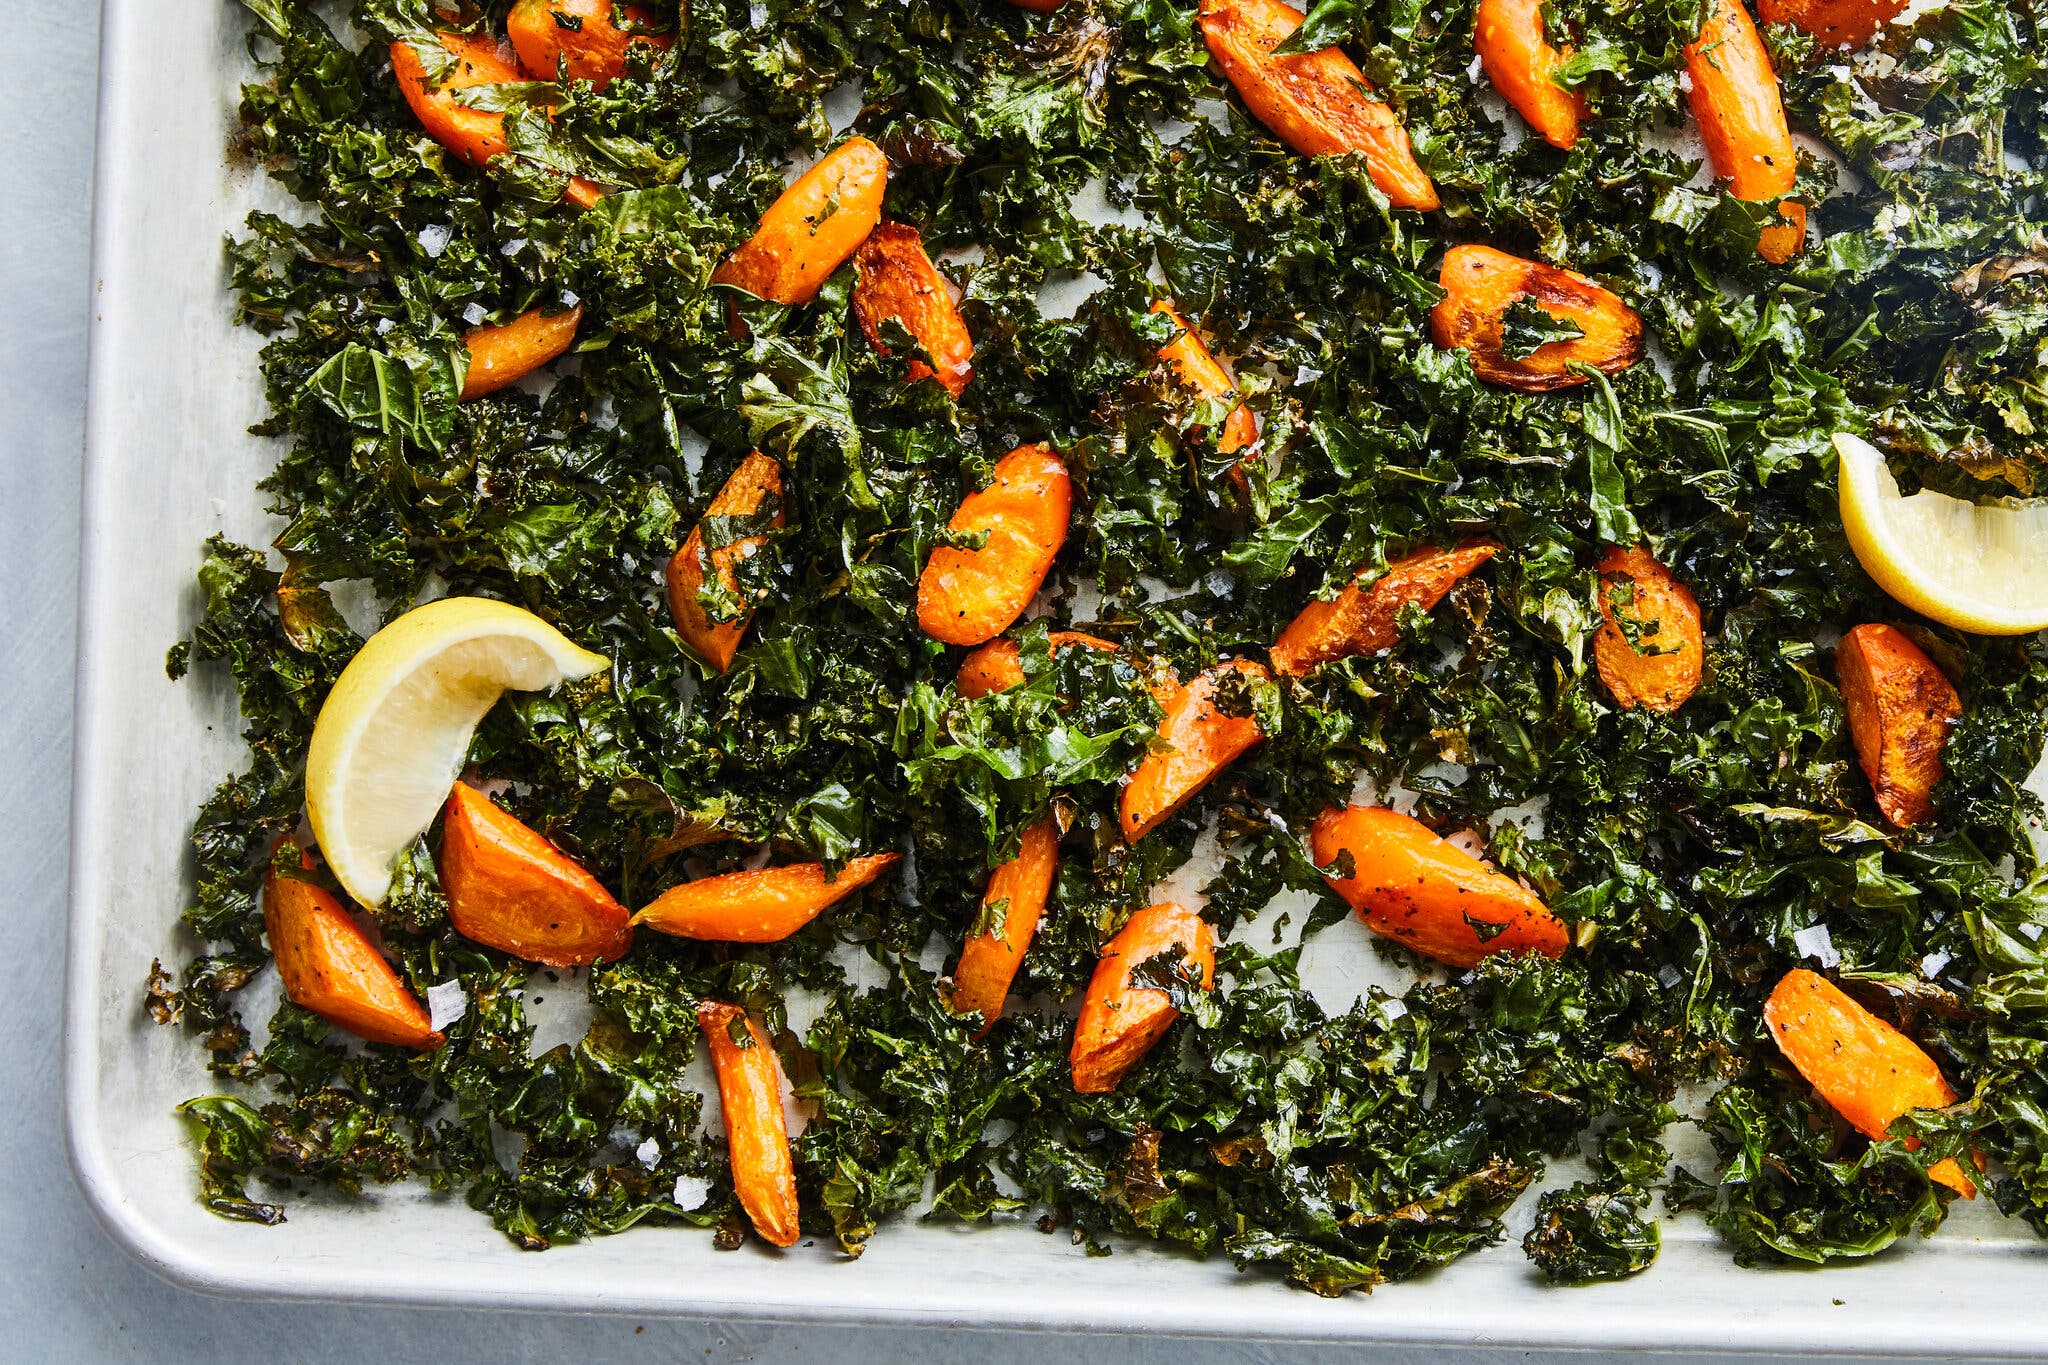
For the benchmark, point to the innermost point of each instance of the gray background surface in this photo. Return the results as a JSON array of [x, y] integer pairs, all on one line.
[[66, 1293]]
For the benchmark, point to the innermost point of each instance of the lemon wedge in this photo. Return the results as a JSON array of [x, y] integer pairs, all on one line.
[[1980, 567], [392, 735]]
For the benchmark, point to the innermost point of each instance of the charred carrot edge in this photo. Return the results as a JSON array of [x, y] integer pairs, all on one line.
[[756, 1136], [329, 966], [967, 597], [1523, 65], [989, 961], [1901, 708], [1201, 743], [1662, 671], [1363, 620], [1315, 102], [1120, 1023], [1197, 367], [509, 351], [896, 279], [1481, 283], [1422, 891], [1867, 1071], [812, 227], [509, 888], [1735, 100], [475, 135], [757, 479], [593, 50], [998, 667], [1837, 23], [765, 906]]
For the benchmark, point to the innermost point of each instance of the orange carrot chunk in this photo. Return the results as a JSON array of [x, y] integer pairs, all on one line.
[[1420, 890], [580, 37], [475, 135], [764, 906], [1867, 1071], [812, 227], [898, 280], [1735, 100], [509, 351], [1523, 65], [757, 480], [329, 966], [1901, 708], [1481, 284], [1362, 620], [1120, 1022], [1660, 668], [966, 597], [509, 888], [997, 666], [1015, 900], [1318, 103], [1837, 23], [756, 1136], [1201, 741], [1195, 366]]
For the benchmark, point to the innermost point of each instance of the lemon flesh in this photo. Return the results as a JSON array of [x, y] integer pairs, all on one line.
[[1980, 567], [392, 735]]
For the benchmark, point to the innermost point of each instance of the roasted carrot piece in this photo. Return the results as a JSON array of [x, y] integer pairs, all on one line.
[[475, 135], [1420, 890], [1735, 100], [1867, 1071], [756, 1136], [966, 597], [1318, 103], [757, 479], [997, 667], [1480, 284], [509, 888], [1195, 366], [1203, 742], [1901, 708], [1120, 1022], [898, 280], [329, 966], [812, 227], [581, 37], [1523, 65], [765, 906], [1837, 23], [1661, 667], [1016, 895], [1362, 620], [509, 351]]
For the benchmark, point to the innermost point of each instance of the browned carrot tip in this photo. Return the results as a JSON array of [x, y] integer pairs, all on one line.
[[509, 351], [1660, 667], [765, 906], [1420, 890], [756, 480], [475, 135], [1735, 100], [997, 666], [756, 1137], [1197, 367], [1120, 1022], [896, 279], [967, 597], [1365, 620], [581, 37], [1016, 895], [1837, 23], [1901, 708], [1867, 1071], [812, 227], [510, 889], [1315, 102], [1523, 66], [329, 966], [1480, 284], [1201, 742]]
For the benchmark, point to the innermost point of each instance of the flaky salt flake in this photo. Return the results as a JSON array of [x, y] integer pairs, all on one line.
[[1816, 942], [433, 239], [648, 1154], [445, 1004], [474, 315], [691, 1192], [1932, 964]]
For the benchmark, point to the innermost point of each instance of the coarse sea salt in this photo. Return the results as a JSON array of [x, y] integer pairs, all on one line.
[[691, 1191], [1816, 942], [648, 1154], [1932, 964], [434, 238], [445, 1004], [474, 315]]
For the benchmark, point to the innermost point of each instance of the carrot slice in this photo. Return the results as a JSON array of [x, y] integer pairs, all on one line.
[[1735, 100], [966, 597], [1837, 23], [1481, 284], [1196, 366], [898, 280], [757, 479], [756, 1136], [765, 906], [998, 667], [1867, 1071], [1523, 65], [329, 966], [1661, 667], [1120, 1022], [1017, 893], [475, 135], [509, 351], [812, 227], [1318, 103], [1203, 742], [1421, 890], [509, 888], [581, 37], [1365, 620], [1901, 708]]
